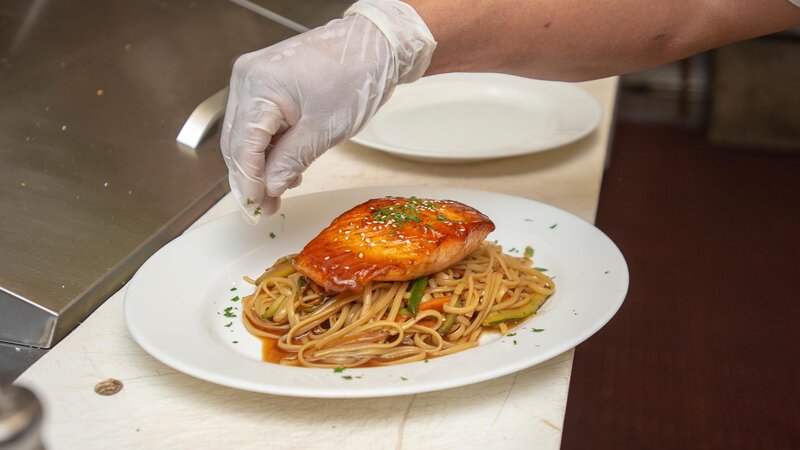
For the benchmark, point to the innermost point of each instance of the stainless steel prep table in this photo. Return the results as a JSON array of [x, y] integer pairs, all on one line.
[[92, 181]]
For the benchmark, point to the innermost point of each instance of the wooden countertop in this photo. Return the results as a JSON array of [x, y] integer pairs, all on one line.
[[159, 407]]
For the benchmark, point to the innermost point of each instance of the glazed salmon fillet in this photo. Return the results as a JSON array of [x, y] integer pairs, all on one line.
[[392, 239]]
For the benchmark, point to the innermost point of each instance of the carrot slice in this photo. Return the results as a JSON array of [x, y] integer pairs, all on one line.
[[436, 303]]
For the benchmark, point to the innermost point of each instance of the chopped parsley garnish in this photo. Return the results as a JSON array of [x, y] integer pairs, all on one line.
[[606, 272], [540, 269], [347, 377], [235, 299], [229, 312], [235, 342], [553, 226], [338, 369], [511, 334], [407, 213], [233, 289], [250, 201], [515, 342], [529, 252], [282, 215], [426, 360], [404, 378], [401, 215], [537, 330], [528, 220], [228, 325], [257, 212], [441, 218], [271, 235]]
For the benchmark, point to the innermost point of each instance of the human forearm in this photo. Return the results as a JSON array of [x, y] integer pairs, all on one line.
[[579, 40]]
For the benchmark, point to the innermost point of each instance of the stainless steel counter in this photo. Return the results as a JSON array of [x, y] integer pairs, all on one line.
[[311, 13], [92, 181]]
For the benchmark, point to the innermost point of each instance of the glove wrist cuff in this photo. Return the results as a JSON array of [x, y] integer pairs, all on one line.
[[407, 34]]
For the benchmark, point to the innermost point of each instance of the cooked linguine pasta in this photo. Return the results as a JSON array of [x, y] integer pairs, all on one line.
[[392, 322]]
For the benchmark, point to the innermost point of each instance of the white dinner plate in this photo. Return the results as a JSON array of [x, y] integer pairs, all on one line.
[[175, 305], [463, 117]]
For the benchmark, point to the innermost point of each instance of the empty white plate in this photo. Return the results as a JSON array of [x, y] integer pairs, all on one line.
[[461, 117]]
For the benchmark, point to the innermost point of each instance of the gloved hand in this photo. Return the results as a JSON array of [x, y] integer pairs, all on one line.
[[291, 102]]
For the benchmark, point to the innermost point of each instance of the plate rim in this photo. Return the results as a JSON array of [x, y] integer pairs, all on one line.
[[421, 155], [383, 390]]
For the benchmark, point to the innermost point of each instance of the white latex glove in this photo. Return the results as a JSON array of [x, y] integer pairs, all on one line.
[[318, 89]]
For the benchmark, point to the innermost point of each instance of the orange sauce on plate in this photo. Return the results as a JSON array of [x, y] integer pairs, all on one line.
[[270, 352]]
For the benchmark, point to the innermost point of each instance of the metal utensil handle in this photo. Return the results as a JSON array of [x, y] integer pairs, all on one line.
[[203, 119]]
